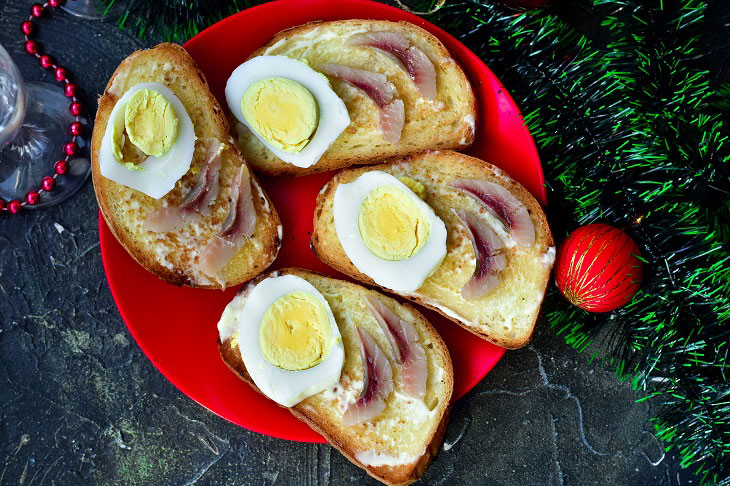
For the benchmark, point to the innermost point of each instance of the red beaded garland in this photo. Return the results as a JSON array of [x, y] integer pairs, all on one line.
[[36, 10], [61, 73], [76, 108], [61, 167], [27, 27], [71, 148], [14, 206], [46, 61], [31, 47], [70, 90], [48, 183], [32, 197], [76, 128]]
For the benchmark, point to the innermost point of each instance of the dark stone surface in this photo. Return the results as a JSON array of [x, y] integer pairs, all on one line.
[[80, 403]]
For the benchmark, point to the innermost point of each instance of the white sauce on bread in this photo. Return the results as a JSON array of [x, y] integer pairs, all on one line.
[[375, 458]]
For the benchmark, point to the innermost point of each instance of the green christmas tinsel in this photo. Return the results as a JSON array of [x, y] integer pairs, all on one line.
[[626, 102]]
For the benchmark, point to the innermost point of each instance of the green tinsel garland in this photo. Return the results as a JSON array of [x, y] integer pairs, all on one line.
[[633, 130]]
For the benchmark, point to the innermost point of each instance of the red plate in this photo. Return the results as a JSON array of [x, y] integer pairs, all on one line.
[[176, 327]]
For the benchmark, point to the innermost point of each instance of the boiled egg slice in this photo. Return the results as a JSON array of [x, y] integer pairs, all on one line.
[[149, 140], [288, 338], [388, 232], [289, 106]]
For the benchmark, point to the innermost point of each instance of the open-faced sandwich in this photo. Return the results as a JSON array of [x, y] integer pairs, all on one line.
[[448, 231], [368, 373], [327, 95], [171, 183]]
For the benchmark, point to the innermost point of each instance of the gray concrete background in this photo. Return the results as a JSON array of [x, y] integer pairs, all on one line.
[[80, 403]]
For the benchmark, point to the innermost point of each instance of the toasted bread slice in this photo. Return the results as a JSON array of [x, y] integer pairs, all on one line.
[[507, 315], [172, 256], [398, 445], [446, 122]]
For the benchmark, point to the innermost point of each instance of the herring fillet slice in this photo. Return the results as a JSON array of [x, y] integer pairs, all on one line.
[[377, 87], [408, 352], [504, 205], [197, 201], [238, 226], [489, 261], [377, 382], [410, 58]]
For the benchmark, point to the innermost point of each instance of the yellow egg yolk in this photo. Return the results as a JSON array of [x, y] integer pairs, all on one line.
[[281, 111], [295, 332], [150, 122], [417, 187], [391, 225]]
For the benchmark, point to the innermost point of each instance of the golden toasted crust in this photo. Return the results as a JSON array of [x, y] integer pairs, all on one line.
[[171, 65], [447, 122], [435, 170], [338, 435]]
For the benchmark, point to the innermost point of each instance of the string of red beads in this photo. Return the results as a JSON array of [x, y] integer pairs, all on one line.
[[75, 130]]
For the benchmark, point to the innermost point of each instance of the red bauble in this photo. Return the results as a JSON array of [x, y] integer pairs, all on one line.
[[597, 268]]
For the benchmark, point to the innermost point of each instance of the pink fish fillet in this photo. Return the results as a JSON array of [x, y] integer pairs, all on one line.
[[403, 339], [504, 205], [378, 382], [490, 261], [410, 58], [377, 87], [238, 226], [197, 201]]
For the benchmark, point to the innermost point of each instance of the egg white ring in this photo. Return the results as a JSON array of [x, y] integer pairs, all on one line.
[[401, 275], [333, 115], [160, 173], [285, 387]]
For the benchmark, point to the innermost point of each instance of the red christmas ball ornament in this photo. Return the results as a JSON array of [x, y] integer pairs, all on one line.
[[597, 269], [56, 3]]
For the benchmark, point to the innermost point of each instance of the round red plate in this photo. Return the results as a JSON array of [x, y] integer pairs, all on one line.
[[176, 327]]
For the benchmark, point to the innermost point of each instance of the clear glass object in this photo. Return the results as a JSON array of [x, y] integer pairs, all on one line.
[[34, 123], [94, 9]]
